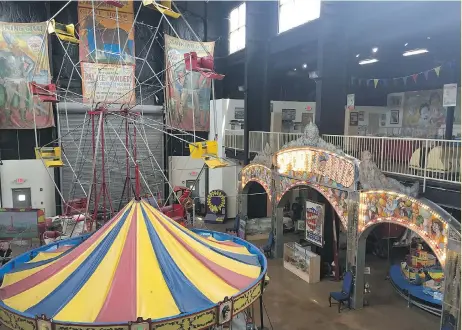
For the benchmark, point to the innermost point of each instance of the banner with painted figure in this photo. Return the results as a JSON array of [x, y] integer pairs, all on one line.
[[187, 93], [423, 114], [108, 83], [314, 223], [109, 37], [23, 58]]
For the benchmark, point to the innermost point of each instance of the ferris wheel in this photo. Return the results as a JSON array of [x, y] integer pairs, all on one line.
[[113, 150]]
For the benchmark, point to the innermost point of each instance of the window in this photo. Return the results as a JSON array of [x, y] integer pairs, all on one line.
[[237, 29], [293, 13]]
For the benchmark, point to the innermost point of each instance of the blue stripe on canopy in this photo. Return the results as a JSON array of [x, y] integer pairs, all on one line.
[[187, 297]]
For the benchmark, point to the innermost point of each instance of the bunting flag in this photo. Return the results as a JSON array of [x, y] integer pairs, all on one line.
[[396, 81], [437, 70]]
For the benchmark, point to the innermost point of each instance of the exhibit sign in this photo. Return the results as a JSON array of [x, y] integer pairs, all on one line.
[[316, 166], [23, 59], [187, 93], [450, 95], [108, 83], [314, 228]]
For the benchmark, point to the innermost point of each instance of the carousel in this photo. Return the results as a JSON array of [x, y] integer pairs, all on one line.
[[140, 269]]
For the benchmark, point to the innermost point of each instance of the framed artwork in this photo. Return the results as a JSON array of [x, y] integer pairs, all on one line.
[[383, 119], [361, 116], [394, 117], [353, 119]]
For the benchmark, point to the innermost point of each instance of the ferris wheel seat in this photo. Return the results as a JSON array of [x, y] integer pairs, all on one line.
[[199, 149], [214, 162], [65, 32], [46, 93], [164, 7], [203, 65], [51, 156]]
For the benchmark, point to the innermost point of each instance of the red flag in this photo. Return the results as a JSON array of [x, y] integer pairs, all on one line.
[[414, 76]]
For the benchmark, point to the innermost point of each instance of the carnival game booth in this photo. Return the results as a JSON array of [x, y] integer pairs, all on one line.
[[141, 269]]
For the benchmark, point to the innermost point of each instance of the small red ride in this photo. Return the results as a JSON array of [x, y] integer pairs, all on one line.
[[183, 202]]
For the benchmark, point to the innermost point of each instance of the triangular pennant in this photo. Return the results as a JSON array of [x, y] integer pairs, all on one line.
[[385, 82], [405, 80], [437, 70], [426, 75], [376, 81], [414, 77], [368, 81]]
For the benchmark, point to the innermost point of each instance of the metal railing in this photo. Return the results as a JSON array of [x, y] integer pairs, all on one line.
[[423, 158], [258, 140], [429, 159]]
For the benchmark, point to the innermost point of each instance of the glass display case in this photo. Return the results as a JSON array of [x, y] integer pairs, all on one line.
[[302, 262]]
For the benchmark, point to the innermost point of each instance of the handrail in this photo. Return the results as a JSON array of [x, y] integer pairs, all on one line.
[[427, 159]]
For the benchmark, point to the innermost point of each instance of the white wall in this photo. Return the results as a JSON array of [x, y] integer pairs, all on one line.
[[184, 168], [300, 108], [36, 177]]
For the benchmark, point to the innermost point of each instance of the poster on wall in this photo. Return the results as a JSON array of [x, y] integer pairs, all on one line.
[[306, 119], [108, 83], [110, 37], [187, 93], [314, 230], [21, 225], [450, 95], [24, 58], [423, 113]]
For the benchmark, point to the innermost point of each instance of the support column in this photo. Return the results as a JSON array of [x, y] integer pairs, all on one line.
[[261, 25], [331, 86], [356, 254], [277, 220]]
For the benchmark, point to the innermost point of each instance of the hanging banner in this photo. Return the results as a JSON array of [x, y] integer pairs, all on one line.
[[23, 58], [314, 231], [187, 93], [108, 83], [106, 36]]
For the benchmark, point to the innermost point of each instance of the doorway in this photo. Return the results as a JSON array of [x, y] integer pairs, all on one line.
[[21, 198]]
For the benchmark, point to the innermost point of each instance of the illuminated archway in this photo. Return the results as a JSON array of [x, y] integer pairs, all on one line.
[[257, 173], [337, 198], [380, 206]]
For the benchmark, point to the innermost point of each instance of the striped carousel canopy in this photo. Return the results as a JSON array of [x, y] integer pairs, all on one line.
[[140, 264]]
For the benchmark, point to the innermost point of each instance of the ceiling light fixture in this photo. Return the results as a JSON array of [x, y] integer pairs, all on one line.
[[415, 52], [406, 44], [368, 61], [295, 69], [375, 49], [304, 65], [357, 55]]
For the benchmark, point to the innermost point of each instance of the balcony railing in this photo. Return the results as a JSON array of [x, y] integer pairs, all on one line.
[[429, 159]]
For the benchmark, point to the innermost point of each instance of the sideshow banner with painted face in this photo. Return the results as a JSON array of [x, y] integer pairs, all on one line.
[[423, 113], [106, 35], [187, 93], [23, 59]]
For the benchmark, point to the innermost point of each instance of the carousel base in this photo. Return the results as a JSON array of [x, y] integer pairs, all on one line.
[[414, 294]]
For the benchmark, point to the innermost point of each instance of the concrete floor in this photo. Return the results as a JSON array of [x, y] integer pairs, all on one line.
[[293, 304]]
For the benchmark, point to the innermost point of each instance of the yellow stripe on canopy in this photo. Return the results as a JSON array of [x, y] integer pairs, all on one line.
[[34, 295], [154, 298], [86, 305], [234, 265], [213, 287], [41, 256], [235, 249]]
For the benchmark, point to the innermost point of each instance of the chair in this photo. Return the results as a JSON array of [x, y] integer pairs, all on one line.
[[269, 245], [345, 294]]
